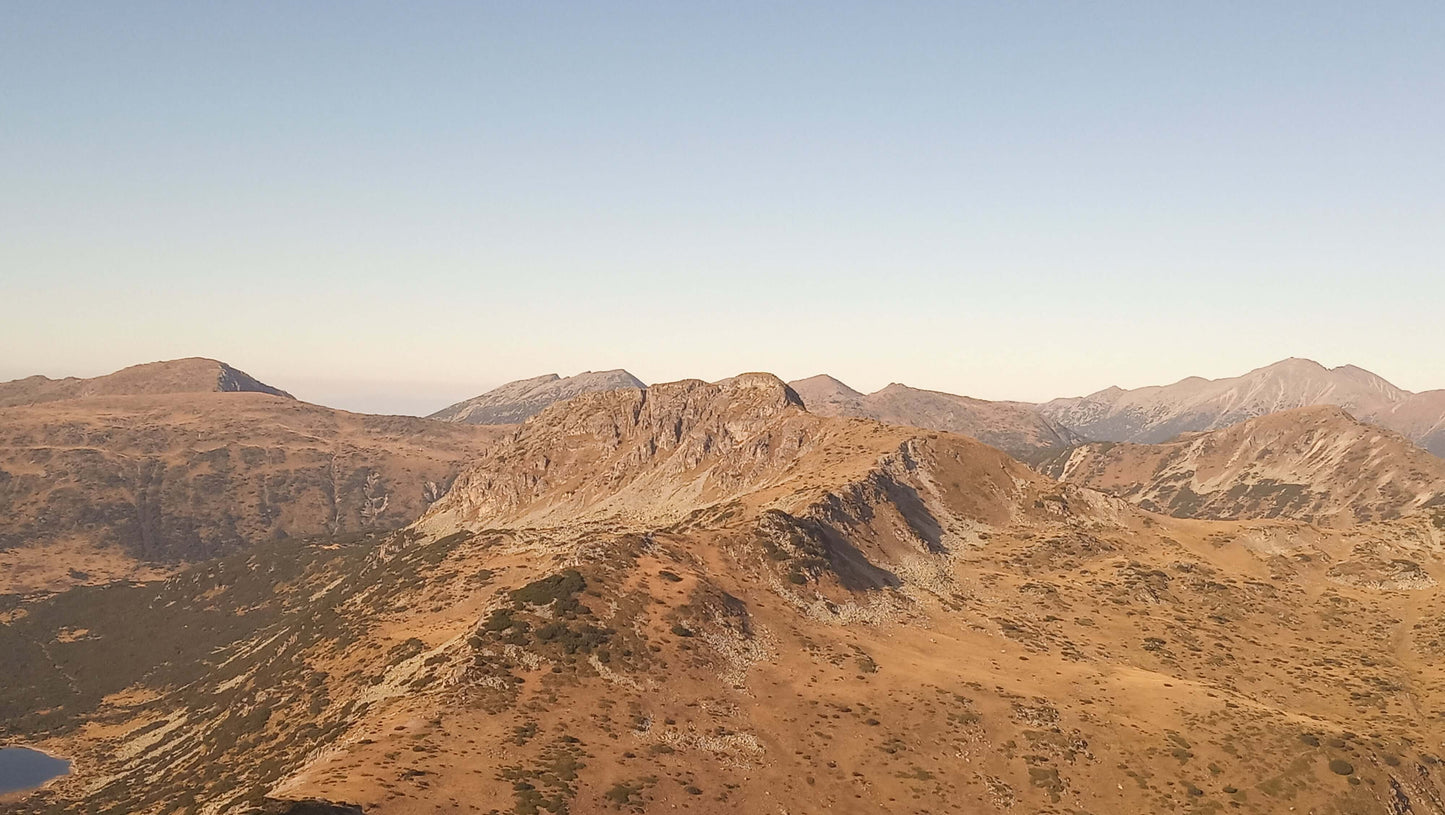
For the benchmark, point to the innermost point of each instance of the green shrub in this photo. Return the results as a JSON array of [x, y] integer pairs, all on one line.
[[561, 588]]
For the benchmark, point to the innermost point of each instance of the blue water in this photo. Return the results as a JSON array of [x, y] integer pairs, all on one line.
[[22, 768]]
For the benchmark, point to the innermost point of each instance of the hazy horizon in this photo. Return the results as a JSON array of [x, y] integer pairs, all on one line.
[[423, 398], [391, 208]]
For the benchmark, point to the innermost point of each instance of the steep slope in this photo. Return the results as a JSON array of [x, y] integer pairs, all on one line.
[[653, 455], [844, 616], [91, 486], [1014, 427], [1418, 416], [1315, 464], [191, 375], [1160, 413], [516, 401]]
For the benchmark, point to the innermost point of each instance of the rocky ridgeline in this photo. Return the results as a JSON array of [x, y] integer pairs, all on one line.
[[518, 401], [658, 453], [1159, 413], [1017, 428]]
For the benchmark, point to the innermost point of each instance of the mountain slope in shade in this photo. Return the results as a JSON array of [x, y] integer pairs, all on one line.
[[1159, 413], [1014, 427], [762, 610], [1315, 464], [515, 402], [190, 375]]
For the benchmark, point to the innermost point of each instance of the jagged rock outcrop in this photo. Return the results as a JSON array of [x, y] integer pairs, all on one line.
[[1014, 427], [658, 452], [691, 453], [514, 402], [1314, 464]]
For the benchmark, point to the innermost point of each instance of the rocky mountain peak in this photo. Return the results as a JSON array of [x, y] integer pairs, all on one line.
[[1159, 413], [515, 401], [636, 452], [827, 396], [823, 384], [1293, 364]]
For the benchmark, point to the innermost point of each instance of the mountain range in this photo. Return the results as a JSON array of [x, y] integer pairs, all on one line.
[[1159, 413], [744, 595], [703, 596], [1035, 432], [1017, 428], [1315, 464]]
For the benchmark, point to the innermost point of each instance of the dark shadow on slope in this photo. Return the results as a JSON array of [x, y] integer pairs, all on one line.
[[309, 806], [919, 519], [815, 545]]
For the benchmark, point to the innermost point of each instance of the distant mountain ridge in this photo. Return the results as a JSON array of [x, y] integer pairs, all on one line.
[[517, 401], [189, 375], [1315, 464], [1159, 413], [1017, 428]]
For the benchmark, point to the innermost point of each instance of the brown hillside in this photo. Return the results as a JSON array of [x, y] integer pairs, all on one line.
[[761, 610], [1315, 464], [112, 480]]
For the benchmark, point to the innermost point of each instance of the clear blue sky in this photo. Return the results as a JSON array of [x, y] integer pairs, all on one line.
[[389, 206]]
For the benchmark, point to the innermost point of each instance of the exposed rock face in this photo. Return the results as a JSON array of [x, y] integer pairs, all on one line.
[[659, 452], [191, 375], [516, 401], [1159, 413], [181, 476], [1014, 427], [1315, 464]]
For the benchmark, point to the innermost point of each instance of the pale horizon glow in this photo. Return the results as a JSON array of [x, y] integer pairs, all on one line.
[[390, 208]]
